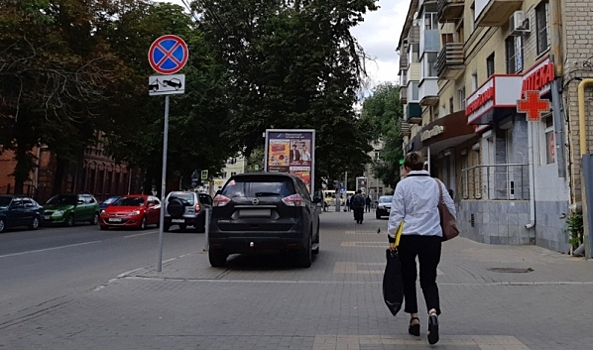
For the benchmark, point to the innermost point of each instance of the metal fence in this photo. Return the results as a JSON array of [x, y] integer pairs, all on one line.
[[496, 182]]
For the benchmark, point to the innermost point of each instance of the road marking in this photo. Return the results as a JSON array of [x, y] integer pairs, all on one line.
[[48, 249], [141, 234]]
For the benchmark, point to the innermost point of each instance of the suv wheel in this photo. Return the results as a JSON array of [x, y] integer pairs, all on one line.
[[378, 216], [217, 258], [305, 258], [176, 207], [2, 225]]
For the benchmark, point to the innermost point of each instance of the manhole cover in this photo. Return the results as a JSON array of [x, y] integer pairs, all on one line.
[[509, 270]]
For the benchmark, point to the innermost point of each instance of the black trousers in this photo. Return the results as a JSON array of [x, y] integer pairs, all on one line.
[[428, 250]]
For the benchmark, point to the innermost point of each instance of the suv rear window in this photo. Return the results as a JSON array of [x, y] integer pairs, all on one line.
[[258, 187], [186, 198]]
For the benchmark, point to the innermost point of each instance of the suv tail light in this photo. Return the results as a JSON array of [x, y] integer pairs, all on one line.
[[294, 200], [198, 207], [220, 201]]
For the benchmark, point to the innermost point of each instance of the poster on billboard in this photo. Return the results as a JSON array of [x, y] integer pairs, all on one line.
[[362, 184], [291, 151]]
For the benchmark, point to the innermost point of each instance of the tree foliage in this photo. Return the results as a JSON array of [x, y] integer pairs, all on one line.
[[292, 65], [384, 110]]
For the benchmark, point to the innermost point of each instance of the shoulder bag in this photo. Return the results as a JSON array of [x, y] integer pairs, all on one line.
[[448, 225]]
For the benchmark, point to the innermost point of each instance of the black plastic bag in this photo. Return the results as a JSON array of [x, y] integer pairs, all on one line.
[[393, 288]]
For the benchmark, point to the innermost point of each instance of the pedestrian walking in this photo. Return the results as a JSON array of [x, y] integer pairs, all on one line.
[[415, 202], [358, 206], [367, 203], [348, 198]]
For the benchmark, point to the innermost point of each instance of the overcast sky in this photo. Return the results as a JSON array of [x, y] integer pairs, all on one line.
[[378, 35]]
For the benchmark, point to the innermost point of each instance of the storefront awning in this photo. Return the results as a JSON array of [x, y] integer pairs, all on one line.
[[448, 131]]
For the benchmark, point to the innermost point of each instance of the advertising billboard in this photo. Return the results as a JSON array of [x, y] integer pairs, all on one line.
[[291, 151], [362, 184]]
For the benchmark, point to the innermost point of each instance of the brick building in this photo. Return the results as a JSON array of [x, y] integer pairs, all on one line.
[[464, 65], [96, 173]]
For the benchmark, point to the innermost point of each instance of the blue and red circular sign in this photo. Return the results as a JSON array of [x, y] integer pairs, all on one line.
[[168, 54]]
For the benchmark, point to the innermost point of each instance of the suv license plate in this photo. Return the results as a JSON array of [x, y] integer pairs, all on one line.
[[47, 217], [178, 220], [115, 220], [246, 213]]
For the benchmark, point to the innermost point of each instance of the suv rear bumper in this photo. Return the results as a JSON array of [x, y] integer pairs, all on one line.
[[187, 220], [257, 245]]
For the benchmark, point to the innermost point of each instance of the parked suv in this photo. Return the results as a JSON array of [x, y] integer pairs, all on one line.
[[185, 208], [261, 213]]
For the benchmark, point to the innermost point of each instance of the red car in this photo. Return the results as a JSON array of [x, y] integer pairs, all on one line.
[[133, 210]]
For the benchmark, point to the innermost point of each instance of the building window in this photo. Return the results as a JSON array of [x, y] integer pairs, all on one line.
[[431, 21], [451, 108], [233, 173], [377, 155], [432, 62], [514, 54], [461, 99], [490, 65], [542, 26], [414, 91], [403, 77], [549, 142], [474, 81]]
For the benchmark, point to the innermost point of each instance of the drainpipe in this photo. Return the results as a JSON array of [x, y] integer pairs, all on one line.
[[583, 148], [531, 223]]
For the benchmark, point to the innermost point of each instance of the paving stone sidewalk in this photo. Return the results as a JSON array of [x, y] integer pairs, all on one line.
[[265, 303]]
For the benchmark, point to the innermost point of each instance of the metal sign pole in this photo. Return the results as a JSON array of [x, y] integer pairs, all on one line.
[[207, 228], [163, 184]]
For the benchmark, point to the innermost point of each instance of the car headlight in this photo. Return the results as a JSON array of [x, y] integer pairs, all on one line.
[[102, 211], [134, 213], [59, 212]]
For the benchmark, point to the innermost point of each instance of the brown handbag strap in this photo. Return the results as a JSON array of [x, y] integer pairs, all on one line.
[[440, 205]]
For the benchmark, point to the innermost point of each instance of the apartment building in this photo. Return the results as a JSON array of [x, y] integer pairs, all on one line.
[[234, 165], [514, 180]]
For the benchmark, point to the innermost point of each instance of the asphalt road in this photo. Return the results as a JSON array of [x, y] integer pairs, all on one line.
[[54, 262]]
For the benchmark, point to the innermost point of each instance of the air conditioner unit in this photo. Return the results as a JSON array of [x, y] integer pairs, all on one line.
[[518, 24]]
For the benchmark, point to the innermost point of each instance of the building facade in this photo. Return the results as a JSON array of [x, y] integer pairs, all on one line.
[[234, 165], [96, 173], [514, 180]]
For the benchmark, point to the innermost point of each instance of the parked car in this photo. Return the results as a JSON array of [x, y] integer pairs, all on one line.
[[67, 209], [186, 208], [134, 210], [18, 211], [383, 206], [108, 202], [261, 213]]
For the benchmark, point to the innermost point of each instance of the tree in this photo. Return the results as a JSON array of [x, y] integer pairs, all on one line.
[[197, 118], [292, 65], [53, 74], [384, 111]]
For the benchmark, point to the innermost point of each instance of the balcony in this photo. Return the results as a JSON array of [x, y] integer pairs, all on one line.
[[405, 128], [413, 113], [430, 41], [495, 13], [403, 61], [428, 92], [403, 95], [450, 10], [450, 61]]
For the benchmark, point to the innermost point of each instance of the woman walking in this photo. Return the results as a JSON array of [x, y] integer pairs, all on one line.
[[415, 202]]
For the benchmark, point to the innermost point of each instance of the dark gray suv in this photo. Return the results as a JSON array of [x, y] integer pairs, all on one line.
[[262, 213], [186, 208]]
